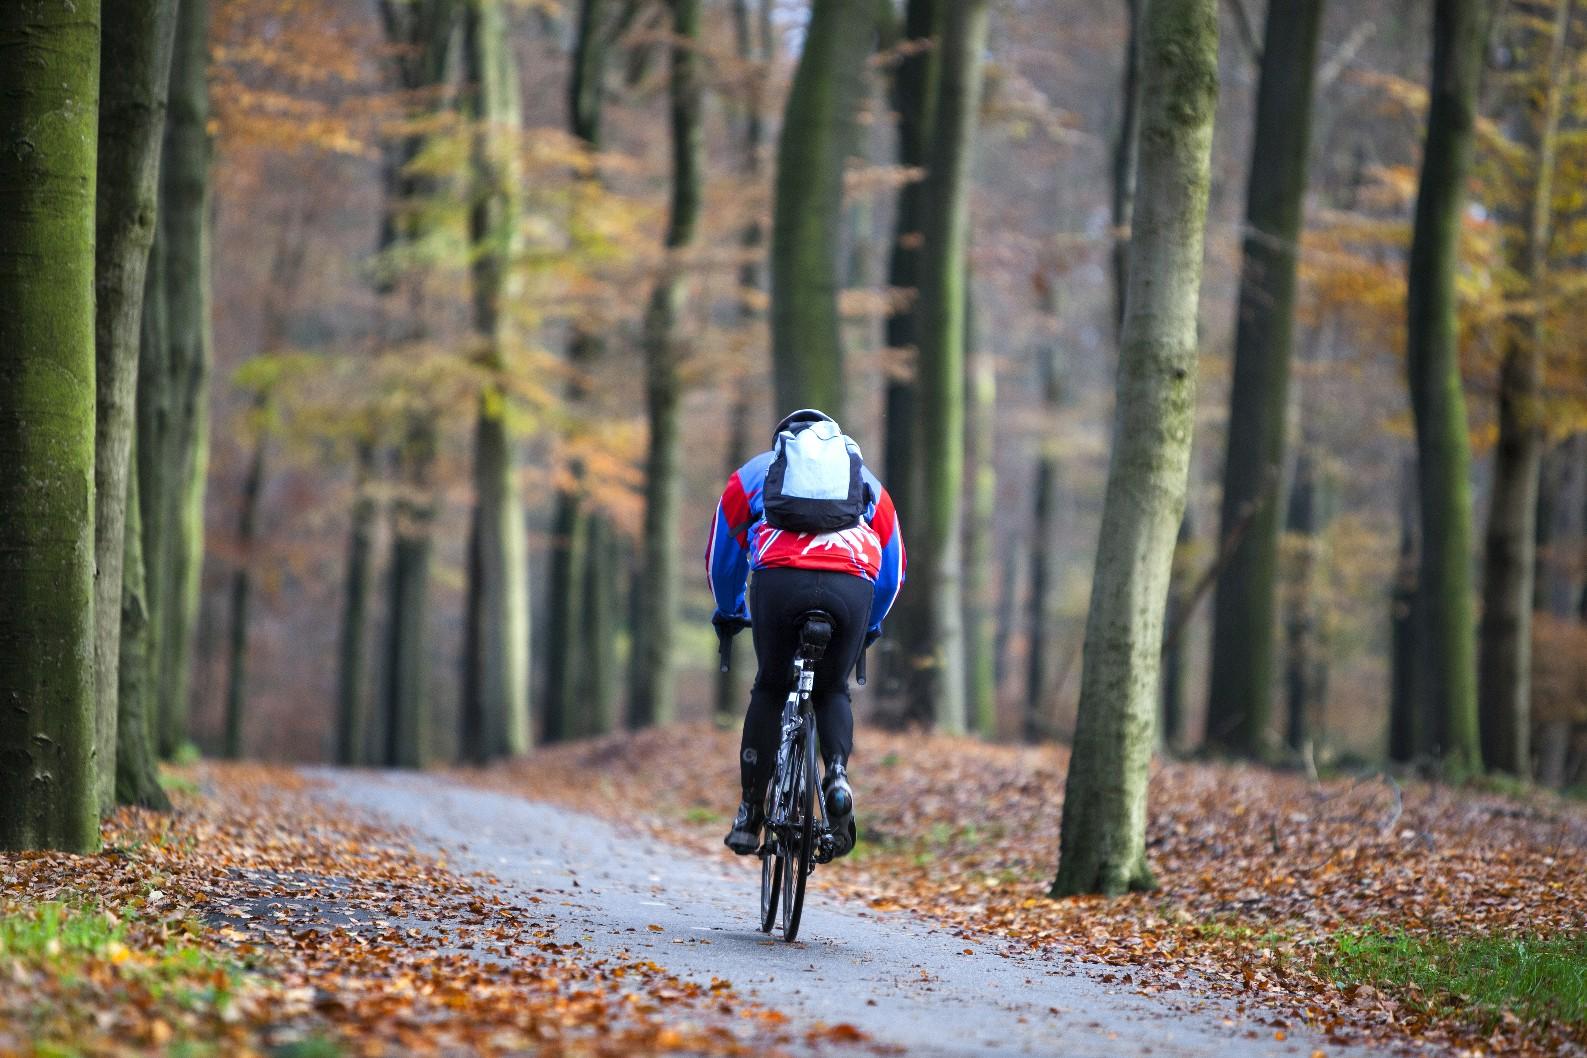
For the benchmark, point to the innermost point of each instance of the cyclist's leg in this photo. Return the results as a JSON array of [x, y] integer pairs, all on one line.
[[774, 604], [848, 600]]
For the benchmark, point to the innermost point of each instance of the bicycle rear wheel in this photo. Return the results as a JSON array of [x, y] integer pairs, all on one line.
[[801, 857]]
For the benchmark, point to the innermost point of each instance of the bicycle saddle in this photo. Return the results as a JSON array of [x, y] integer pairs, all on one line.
[[815, 633]]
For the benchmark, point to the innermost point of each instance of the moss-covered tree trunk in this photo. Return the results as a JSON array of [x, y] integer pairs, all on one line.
[[1043, 559], [1446, 638], [980, 547], [818, 134], [131, 121], [49, 81], [173, 377], [653, 692], [137, 776], [496, 628], [1239, 704], [351, 710], [570, 657], [1504, 689], [936, 643], [1103, 838], [1171, 721], [241, 590]]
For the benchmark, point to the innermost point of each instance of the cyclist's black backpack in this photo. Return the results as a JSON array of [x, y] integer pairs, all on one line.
[[814, 484]]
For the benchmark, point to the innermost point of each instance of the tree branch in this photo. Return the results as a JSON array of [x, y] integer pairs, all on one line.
[[1245, 30]]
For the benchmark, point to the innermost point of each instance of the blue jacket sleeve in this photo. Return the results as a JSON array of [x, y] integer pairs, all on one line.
[[727, 551]]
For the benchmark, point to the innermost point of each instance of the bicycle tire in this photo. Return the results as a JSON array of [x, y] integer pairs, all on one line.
[[770, 889], [802, 856]]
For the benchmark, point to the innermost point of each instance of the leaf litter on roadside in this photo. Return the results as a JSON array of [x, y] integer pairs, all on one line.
[[1260, 872], [284, 923]]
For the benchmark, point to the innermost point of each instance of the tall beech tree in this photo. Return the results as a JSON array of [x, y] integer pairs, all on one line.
[[173, 377], [914, 92], [1446, 629], [351, 709], [1126, 148], [1103, 838], [421, 32], [137, 775], [1504, 690], [1243, 650], [49, 795], [653, 691], [139, 34], [496, 604], [936, 642], [1044, 527], [818, 134], [581, 632]]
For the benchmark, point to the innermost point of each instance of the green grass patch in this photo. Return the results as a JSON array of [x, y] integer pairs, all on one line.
[[172, 783], [1537, 979]]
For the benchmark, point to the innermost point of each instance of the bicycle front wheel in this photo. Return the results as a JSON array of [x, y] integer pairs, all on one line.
[[799, 859], [770, 889]]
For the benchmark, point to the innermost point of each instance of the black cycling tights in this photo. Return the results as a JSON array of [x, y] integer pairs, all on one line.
[[777, 599]]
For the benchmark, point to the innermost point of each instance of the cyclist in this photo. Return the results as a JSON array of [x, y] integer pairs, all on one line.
[[819, 533]]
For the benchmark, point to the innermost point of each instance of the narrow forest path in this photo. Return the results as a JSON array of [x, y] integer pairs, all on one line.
[[891, 975]]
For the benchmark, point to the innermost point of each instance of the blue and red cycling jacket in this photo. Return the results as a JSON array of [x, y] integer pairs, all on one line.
[[741, 540]]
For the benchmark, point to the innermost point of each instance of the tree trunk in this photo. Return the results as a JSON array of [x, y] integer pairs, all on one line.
[[1126, 150], [1305, 615], [173, 377], [653, 685], [1406, 738], [137, 776], [914, 101], [241, 590], [1180, 585], [350, 709], [1446, 640], [407, 691], [980, 589], [1038, 676], [1239, 704], [49, 795], [131, 119], [570, 656], [1504, 689], [818, 134], [601, 618], [1103, 838], [496, 631], [937, 642]]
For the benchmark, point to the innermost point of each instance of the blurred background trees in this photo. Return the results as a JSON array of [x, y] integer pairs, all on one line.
[[457, 310]]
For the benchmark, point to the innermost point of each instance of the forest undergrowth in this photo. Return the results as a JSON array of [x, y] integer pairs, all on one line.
[[254, 921], [1369, 908]]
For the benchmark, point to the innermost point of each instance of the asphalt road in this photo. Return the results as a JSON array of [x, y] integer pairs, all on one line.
[[892, 975]]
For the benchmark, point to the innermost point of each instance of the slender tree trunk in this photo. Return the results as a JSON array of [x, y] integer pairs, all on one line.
[[137, 776], [569, 655], [1406, 738], [1103, 838], [1505, 635], [1126, 150], [407, 690], [241, 591], [937, 643], [602, 616], [980, 590], [1175, 669], [914, 101], [49, 79], [496, 638], [818, 134], [351, 711], [1438, 403], [131, 119], [173, 377], [654, 682], [1305, 614], [1038, 675], [1239, 704]]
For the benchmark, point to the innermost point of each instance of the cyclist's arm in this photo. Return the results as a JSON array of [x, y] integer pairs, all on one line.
[[884, 519], [727, 551]]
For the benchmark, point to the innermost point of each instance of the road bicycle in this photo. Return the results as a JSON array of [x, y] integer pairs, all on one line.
[[797, 834]]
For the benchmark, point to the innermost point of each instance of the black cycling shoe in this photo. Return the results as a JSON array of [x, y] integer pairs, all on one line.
[[744, 838], [840, 808]]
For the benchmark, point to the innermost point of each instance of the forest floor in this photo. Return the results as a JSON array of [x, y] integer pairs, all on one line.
[[258, 919], [1358, 910]]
